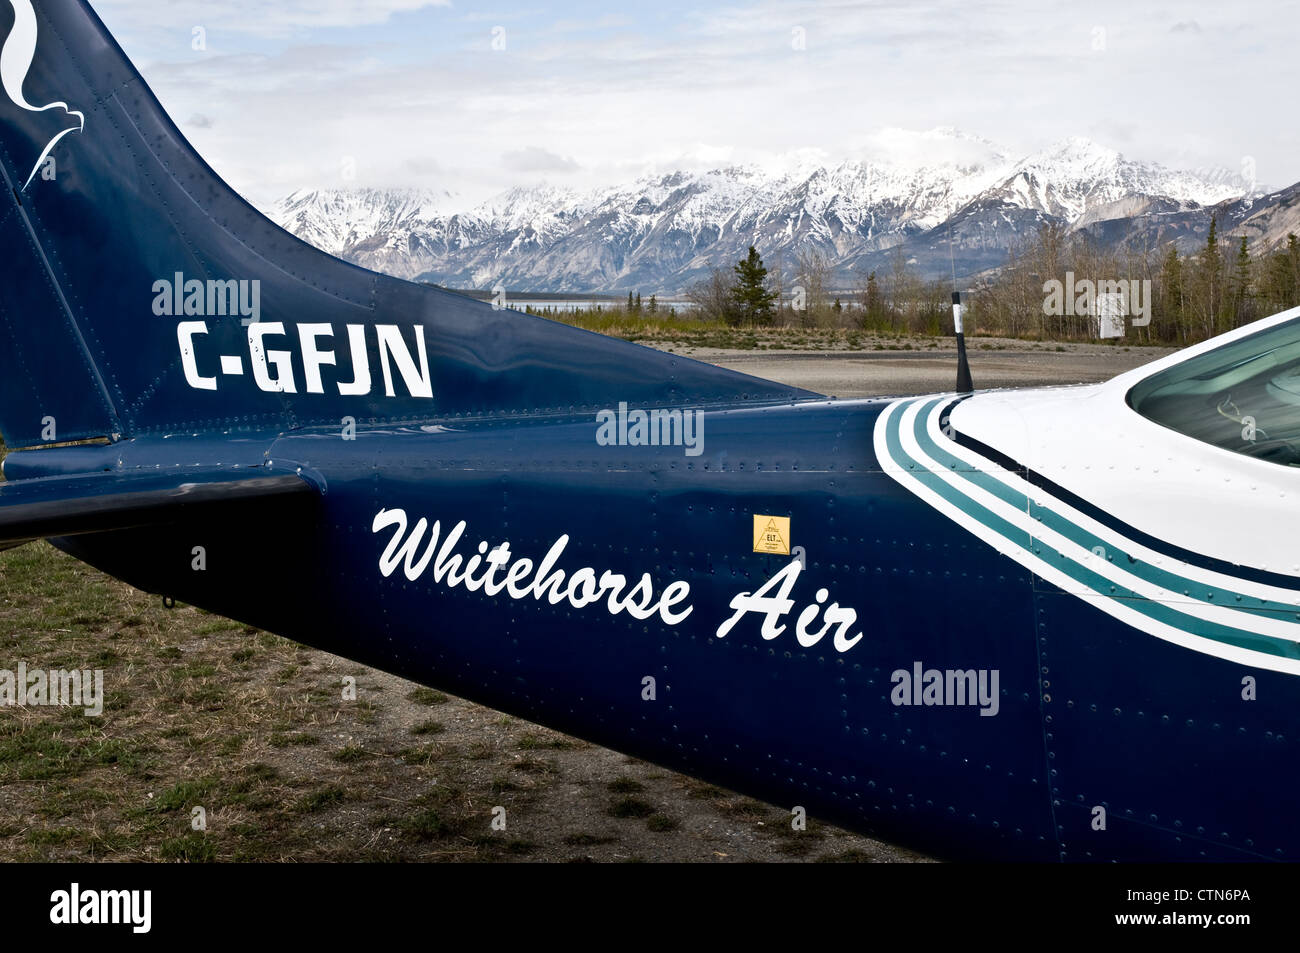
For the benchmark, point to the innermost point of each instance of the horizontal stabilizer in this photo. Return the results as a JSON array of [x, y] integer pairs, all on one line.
[[93, 503]]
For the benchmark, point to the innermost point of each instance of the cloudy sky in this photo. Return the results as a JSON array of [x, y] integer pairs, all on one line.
[[478, 97]]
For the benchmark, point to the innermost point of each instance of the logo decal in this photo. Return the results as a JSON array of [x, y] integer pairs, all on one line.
[[15, 61]]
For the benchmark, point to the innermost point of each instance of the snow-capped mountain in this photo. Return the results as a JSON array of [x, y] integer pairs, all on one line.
[[1078, 176], [662, 232], [402, 232]]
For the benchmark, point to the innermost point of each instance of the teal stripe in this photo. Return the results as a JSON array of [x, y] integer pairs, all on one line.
[[1077, 534], [1154, 610]]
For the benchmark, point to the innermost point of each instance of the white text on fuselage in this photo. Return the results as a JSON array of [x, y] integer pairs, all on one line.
[[496, 569], [275, 368]]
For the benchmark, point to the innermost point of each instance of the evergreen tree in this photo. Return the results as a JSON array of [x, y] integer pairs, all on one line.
[[1278, 280], [629, 302], [654, 305], [1211, 280], [1173, 318], [638, 303], [873, 305], [752, 299], [1241, 277], [1291, 288]]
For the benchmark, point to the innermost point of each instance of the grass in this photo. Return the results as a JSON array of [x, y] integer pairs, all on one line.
[[199, 712], [625, 807], [427, 696], [320, 799], [351, 754], [540, 740], [185, 795], [194, 847], [682, 332], [829, 332]]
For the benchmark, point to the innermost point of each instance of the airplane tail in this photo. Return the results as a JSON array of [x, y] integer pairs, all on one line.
[[142, 295]]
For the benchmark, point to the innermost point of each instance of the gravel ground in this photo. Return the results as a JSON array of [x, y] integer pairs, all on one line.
[[928, 369]]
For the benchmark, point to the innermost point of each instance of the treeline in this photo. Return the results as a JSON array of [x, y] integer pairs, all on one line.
[[634, 308], [768, 294], [1187, 298], [1221, 286]]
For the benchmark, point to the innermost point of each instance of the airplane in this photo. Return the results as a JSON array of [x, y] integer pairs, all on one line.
[[1051, 624]]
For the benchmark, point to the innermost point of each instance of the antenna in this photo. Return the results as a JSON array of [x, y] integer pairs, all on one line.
[[964, 383]]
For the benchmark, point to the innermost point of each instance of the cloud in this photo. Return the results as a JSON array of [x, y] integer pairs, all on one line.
[[272, 18], [412, 91], [422, 166], [534, 159], [199, 121], [913, 148]]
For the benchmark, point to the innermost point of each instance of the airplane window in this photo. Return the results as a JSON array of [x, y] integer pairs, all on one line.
[[1244, 396]]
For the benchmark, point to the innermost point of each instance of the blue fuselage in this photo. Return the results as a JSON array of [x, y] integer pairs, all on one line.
[[1088, 712]]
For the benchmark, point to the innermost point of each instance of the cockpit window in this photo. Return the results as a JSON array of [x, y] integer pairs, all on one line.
[[1244, 396]]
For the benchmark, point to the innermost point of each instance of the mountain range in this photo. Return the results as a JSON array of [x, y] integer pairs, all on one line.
[[661, 233]]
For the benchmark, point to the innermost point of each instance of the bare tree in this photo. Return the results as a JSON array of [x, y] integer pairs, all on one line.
[[903, 292], [712, 296], [813, 276]]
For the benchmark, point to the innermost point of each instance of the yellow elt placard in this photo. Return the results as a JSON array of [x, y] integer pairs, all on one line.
[[772, 535]]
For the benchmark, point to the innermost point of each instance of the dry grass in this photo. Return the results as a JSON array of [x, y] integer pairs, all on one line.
[[671, 333]]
